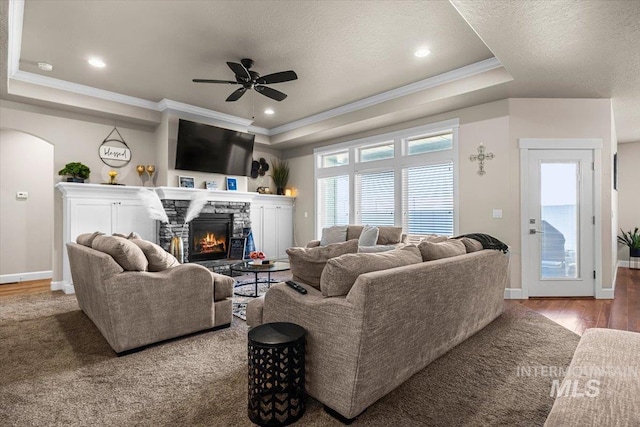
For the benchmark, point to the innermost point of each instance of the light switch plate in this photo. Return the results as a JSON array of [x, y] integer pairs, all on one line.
[[497, 213], [22, 195]]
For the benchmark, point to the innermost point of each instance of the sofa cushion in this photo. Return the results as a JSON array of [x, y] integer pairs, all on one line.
[[334, 234], [340, 273], [472, 245], [86, 239], [354, 231], [369, 236], [389, 235], [307, 263], [376, 249], [431, 251], [158, 258], [125, 252], [130, 236]]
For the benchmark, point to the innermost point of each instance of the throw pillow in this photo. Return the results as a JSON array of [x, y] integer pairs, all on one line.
[[472, 245], [335, 234], [341, 273], [125, 252], [389, 235], [369, 236], [131, 236], [307, 263], [434, 238], [432, 251], [86, 239], [159, 259]]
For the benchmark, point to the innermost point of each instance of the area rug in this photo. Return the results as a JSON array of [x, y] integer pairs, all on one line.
[[244, 286], [57, 369]]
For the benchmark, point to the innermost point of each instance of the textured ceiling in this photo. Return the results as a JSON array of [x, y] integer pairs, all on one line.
[[341, 51]]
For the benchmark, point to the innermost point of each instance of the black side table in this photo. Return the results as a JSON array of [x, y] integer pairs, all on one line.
[[276, 374]]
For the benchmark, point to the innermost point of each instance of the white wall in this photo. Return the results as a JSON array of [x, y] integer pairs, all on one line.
[[26, 225], [628, 191], [76, 138]]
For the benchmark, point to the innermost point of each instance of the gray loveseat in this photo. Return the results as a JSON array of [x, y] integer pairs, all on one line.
[[391, 324], [136, 308]]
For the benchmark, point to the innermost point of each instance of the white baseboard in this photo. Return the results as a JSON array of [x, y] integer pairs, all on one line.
[[25, 277], [624, 264], [513, 293], [63, 286]]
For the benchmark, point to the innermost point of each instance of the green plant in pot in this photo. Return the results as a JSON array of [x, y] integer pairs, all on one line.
[[632, 240], [75, 172], [280, 174]]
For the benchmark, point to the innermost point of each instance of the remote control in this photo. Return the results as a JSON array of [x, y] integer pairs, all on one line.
[[293, 285]]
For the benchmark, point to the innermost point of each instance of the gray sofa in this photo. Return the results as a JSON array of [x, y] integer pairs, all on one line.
[[136, 308], [388, 236], [391, 324]]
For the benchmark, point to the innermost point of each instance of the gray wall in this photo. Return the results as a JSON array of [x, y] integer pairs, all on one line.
[[628, 191]]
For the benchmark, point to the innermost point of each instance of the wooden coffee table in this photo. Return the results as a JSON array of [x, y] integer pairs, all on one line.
[[247, 267]]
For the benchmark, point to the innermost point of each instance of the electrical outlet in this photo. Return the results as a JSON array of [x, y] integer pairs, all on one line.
[[497, 213], [22, 195], [306, 214]]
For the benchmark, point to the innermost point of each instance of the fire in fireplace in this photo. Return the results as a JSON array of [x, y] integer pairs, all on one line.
[[208, 236]]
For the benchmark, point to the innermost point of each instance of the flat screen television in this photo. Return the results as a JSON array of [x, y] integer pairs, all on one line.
[[206, 148]]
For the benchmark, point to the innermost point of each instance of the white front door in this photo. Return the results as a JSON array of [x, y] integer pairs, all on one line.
[[560, 223]]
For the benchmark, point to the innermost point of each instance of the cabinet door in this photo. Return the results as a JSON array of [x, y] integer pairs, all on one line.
[[256, 224], [285, 229], [89, 216], [269, 243], [131, 215]]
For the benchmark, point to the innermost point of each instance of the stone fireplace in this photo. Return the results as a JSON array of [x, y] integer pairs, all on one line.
[[209, 236], [222, 219]]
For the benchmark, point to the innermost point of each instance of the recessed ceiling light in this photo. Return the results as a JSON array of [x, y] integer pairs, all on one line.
[[269, 111], [45, 66], [96, 62], [421, 53]]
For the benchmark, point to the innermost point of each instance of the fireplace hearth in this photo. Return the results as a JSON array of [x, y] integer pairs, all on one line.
[[209, 236]]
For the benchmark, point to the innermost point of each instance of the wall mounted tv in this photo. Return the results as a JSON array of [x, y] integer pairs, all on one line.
[[206, 148]]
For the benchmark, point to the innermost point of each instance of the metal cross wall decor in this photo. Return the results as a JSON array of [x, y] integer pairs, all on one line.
[[481, 157]]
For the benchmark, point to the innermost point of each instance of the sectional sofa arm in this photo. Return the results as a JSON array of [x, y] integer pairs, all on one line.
[[283, 302], [313, 244]]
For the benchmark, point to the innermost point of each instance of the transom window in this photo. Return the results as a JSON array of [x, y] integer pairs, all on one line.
[[406, 178]]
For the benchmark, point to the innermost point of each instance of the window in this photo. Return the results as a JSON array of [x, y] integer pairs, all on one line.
[[428, 197], [333, 206], [378, 152], [422, 145], [405, 178], [375, 202]]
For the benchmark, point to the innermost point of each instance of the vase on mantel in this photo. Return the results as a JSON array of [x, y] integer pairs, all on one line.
[[176, 249]]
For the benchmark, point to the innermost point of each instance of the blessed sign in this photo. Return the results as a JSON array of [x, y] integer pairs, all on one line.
[[115, 153]]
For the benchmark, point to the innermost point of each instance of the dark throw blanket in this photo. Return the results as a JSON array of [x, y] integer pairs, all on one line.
[[488, 242]]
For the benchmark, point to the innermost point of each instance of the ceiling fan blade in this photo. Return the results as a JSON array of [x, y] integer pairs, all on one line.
[[271, 93], [214, 81], [282, 76], [236, 94], [239, 70]]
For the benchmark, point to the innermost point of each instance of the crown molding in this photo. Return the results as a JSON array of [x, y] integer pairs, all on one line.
[[167, 104], [441, 79], [14, 42]]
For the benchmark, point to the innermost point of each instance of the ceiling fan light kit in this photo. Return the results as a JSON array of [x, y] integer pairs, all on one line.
[[250, 79]]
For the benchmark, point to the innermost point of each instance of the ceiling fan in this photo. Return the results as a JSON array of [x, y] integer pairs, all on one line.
[[252, 80]]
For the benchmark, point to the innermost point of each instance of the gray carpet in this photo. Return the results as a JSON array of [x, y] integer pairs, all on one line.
[[245, 286], [56, 369]]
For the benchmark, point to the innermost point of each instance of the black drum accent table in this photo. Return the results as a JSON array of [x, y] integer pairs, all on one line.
[[276, 374]]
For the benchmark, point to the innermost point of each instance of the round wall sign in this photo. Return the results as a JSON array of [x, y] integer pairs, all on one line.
[[114, 151]]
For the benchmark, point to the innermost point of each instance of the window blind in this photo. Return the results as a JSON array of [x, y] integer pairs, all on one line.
[[428, 196], [375, 202], [333, 201]]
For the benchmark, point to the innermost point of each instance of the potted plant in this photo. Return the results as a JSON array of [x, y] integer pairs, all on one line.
[[632, 240], [75, 171], [280, 174]]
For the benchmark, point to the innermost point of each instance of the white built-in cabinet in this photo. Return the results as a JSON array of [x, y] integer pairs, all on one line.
[[109, 209], [272, 225]]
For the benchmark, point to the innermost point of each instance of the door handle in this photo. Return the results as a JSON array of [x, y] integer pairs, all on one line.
[[534, 231]]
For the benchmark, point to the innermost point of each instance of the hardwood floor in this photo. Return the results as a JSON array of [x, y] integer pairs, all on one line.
[[575, 314], [578, 314], [25, 288]]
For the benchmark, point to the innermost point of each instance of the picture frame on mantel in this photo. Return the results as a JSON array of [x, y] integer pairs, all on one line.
[[186, 182], [232, 184]]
